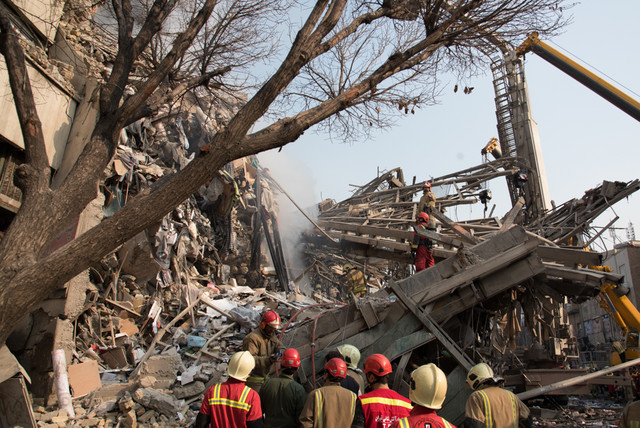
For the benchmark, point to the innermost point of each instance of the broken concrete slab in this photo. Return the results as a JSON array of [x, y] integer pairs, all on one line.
[[157, 400]]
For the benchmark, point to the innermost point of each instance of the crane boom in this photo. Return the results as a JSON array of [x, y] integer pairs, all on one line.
[[600, 86]]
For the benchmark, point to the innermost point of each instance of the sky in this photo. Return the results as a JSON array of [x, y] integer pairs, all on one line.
[[584, 138]]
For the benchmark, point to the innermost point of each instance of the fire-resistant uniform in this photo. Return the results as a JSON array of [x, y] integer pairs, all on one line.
[[421, 417], [261, 347], [357, 286], [423, 248], [382, 407], [231, 404], [358, 378], [494, 407], [282, 399], [331, 406], [427, 204], [631, 416]]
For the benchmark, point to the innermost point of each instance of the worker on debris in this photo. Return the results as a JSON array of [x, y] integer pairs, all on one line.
[[491, 406], [265, 347], [382, 406], [427, 392], [282, 397], [348, 381], [351, 356], [232, 403], [355, 280], [421, 248], [630, 415], [427, 204], [331, 405]]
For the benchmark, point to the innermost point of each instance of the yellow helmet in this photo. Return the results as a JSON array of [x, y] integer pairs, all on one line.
[[428, 386], [478, 374], [241, 365], [347, 267], [351, 355]]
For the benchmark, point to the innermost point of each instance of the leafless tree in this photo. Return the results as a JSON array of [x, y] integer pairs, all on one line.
[[350, 62]]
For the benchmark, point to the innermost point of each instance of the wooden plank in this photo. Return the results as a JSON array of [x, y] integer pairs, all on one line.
[[438, 237], [460, 231], [508, 219]]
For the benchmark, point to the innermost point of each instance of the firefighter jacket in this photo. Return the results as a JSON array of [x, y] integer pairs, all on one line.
[[261, 347], [421, 417], [630, 416], [358, 378], [282, 400], [331, 406], [494, 407], [427, 203], [231, 404], [380, 408], [356, 282], [419, 240]]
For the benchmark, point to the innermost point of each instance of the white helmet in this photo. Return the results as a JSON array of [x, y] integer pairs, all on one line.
[[241, 365], [428, 386], [478, 375], [351, 355]]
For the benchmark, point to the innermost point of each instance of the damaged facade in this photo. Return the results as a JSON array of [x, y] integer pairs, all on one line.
[[149, 329]]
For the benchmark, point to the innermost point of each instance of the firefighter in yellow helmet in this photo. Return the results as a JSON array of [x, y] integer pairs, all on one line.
[[355, 280], [427, 393], [351, 356], [491, 406], [232, 403], [630, 415], [427, 204]]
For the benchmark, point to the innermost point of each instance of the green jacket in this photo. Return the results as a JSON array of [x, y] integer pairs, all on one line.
[[282, 400]]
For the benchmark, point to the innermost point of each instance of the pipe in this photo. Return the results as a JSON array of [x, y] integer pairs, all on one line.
[[62, 382], [573, 381]]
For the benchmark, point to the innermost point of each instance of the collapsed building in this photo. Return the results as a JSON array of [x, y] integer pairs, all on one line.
[[144, 333]]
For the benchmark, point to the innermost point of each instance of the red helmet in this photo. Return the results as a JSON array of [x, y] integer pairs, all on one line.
[[426, 185], [270, 318], [422, 217], [290, 358], [378, 365], [336, 367]]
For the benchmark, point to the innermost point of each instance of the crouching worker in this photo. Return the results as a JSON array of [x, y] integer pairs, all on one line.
[[232, 403], [427, 393], [491, 406]]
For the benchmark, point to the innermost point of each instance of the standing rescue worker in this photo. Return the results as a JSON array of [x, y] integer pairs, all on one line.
[[427, 204], [265, 347], [382, 406], [282, 397], [491, 406], [355, 280], [232, 403], [331, 406], [421, 248], [351, 356], [428, 391], [630, 415]]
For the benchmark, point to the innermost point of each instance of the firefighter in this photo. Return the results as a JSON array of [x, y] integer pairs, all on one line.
[[332, 405], [282, 397], [422, 248], [382, 406], [232, 403], [630, 415], [427, 204], [265, 347], [491, 406], [351, 356], [427, 392], [355, 280]]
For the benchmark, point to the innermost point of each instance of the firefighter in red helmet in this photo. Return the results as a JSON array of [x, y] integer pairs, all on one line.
[[381, 406], [265, 347], [282, 397], [332, 405], [421, 247]]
